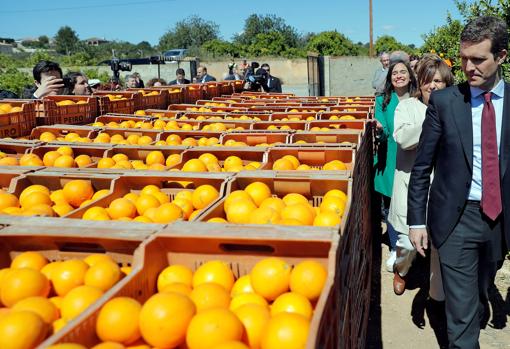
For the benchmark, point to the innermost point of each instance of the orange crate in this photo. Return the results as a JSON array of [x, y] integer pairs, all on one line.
[[327, 138], [63, 243], [193, 92], [287, 125], [148, 101], [315, 157], [229, 124], [226, 88], [255, 139], [238, 85], [337, 125], [192, 115], [179, 245], [18, 124], [83, 110], [228, 99], [197, 135], [306, 109], [119, 118], [160, 113], [185, 106], [351, 108], [62, 131], [128, 105], [8, 174], [211, 90], [126, 132], [338, 115], [269, 108], [294, 116], [95, 152], [228, 109]]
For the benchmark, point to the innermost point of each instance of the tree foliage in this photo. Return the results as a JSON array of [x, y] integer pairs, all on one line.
[[332, 43], [13, 80], [190, 32], [388, 43], [267, 24], [66, 40], [221, 48]]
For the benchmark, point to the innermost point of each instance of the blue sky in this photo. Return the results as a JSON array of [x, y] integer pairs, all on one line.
[[137, 20]]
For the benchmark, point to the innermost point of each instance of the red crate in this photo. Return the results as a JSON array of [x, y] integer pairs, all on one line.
[[152, 98], [193, 92], [256, 139], [20, 123], [327, 138], [130, 102], [82, 111], [62, 131]]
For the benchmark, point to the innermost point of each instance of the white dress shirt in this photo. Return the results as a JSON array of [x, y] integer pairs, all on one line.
[[477, 102]]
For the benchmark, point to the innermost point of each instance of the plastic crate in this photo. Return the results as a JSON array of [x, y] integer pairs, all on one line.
[[187, 107], [269, 108], [293, 125], [128, 105], [7, 174], [189, 134], [83, 110], [17, 150], [193, 92], [125, 133], [206, 115], [229, 124], [338, 125], [18, 124], [358, 115], [238, 85], [148, 101], [255, 139], [176, 246], [351, 108], [119, 118], [95, 152], [327, 138], [315, 157], [175, 94], [226, 88], [211, 90]]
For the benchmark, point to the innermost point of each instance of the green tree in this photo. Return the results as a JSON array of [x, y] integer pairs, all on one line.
[[221, 48], [15, 81], [190, 32], [266, 24], [332, 43], [66, 40], [44, 40], [388, 43]]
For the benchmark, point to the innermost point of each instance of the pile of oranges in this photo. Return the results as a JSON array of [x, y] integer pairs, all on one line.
[[66, 102], [208, 162], [343, 117], [152, 205], [40, 297], [269, 308], [176, 140], [6, 108], [72, 137], [133, 139], [257, 205], [155, 160], [116, 97], [219, 118], [38, 200], [62, 157], [291, 163]]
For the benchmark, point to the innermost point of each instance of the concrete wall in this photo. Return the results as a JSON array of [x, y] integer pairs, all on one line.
[[344, 76]]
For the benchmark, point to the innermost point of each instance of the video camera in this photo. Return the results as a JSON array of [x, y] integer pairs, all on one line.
[[256, 78], [116, 65]]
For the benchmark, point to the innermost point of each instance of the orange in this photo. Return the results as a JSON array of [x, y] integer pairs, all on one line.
[[79, 299], [300, 212], [167, 213], [29, 259], [194, 165], [264, 215], [308, 278], [18, 284], [151, 214], [174, 274], [292, 302], [333, 204], [58, 325], [254, 318], [150, 189], [303, 167], [335, 165], [208, 158], [285, 330], [172, 160], [96, 213], [77, 191], [189, 142], [83, 160], [108, 345], [214, 271], [49, 268], [240, 211], [290, 221], [68, 275], [231, 345], [64, 161], [336, 192], [146, 201], [8, 200], [232, 162], [242, 285], [34, 188], [186, 207], [283, 165], [62, 209], [155, 157], [212, 327], [120, 208], [130, 196], [44, 210], [41, 306], [326, 219], [9, 161], [270, 277], [116, 321], [247, 298], [100, 194], [30, 160], [96, 258], [47, 137], [164, 319], [178, 288], [142, 219], [216, 220], [235, 195], [174, 138], [105, 163], [184, 194], [103, 275], [66, 346], [65, 150], [293, 160], [21, 330], [258, 191], [276, 204], [35, 198], [203, 196], [294, 198], [210, 295]]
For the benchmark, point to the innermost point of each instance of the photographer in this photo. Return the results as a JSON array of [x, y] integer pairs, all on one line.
[[47, 79], [78, 84], [256, 79], [232, 73], [273, 83]]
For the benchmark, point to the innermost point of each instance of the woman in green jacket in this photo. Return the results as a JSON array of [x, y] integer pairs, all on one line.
[[400, 84]]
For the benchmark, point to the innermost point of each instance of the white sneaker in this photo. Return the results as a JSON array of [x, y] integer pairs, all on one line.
[[391, 261]]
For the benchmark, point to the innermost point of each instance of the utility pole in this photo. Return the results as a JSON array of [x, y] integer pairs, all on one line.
[[371, 49]]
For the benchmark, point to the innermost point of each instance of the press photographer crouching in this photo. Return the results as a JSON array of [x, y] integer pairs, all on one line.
[[256, 78]]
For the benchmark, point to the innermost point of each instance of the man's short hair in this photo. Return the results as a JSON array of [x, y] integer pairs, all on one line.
[[265, 65], [129, 76], [399, 56], [487, 27], [45, 67], [180, 71], [204, 68]]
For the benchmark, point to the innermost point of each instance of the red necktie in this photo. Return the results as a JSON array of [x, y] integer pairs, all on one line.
[[491, 187]]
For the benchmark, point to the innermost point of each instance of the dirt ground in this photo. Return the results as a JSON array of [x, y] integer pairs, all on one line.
[[410, 321]]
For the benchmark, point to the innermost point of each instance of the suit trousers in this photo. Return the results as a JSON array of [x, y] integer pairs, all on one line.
[[468, 260]]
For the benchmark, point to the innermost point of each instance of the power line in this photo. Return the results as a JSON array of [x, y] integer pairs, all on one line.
[[3, 12]]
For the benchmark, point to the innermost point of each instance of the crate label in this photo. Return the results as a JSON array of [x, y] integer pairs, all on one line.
[[9, 131], [75, 119]]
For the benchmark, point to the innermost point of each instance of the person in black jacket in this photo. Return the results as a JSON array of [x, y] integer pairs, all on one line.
[[202, 75], [180, 78], [466, 141], [273, 83]]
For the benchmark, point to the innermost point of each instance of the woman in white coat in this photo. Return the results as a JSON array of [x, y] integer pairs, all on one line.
[[432, 74]]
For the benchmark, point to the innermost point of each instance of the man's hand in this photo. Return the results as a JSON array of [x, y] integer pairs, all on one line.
[[48, 87], [419, 239]]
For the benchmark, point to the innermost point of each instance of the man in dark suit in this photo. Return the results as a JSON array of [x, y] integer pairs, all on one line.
[[466, 141], [202, 75], [273, 83], [180, 78]]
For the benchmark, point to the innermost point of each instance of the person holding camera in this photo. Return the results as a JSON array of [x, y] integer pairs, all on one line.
[[180, 75], [47, 79], [78, 84], [273, 83]]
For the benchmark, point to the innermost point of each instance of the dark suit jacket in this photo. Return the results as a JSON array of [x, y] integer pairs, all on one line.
[[174, 82], [446, 146], [208, 78], [275, 84]]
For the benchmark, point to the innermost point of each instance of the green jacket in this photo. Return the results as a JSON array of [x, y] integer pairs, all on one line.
[[386, 157]]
